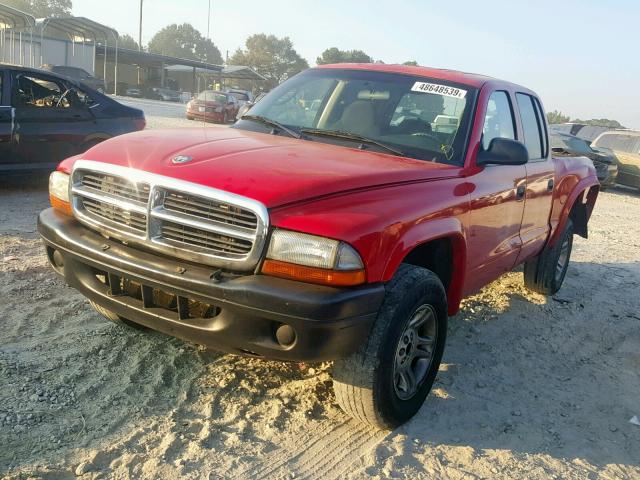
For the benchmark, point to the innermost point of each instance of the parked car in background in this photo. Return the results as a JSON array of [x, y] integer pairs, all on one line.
[[159, 93], [45, 117], [78, 74], [624, 145], [213, 106], [248, 105], [243, 96], [586, 132], [570, 145], [135, 92]]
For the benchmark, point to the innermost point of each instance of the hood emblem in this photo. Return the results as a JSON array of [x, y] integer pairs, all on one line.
[[179, 159]]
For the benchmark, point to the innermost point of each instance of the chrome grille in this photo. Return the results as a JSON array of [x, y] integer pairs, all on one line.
[[179, 218]]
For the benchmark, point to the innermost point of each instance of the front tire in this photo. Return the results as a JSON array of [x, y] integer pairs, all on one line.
[[387, 380], [545, 273]]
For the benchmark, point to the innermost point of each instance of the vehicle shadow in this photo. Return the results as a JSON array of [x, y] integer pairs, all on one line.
[[522, 374]]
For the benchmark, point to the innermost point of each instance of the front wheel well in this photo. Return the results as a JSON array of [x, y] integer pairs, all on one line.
[[435, 255]]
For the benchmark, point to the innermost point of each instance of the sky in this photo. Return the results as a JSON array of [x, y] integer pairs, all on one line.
[[580, 56]]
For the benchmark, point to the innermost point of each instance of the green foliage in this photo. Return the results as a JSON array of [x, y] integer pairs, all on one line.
[[184, 41], [334, 55], [272, 57], [42, 8], [127, 41], [556, 117], [411, 63], [600, 122]]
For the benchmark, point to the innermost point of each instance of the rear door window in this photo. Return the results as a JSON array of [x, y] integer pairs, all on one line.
[[532, 129]]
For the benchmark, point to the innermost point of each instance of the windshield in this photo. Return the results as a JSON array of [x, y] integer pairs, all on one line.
[[240, 96], [423, 118], [209, 96]]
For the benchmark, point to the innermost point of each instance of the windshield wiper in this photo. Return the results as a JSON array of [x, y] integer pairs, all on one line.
[[354, 137], [271, 123]]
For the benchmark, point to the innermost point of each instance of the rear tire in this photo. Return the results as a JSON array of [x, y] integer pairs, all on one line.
[[387, 380], [545, 273], [115, 318]]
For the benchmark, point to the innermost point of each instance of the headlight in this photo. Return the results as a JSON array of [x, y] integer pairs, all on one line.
[[313, 259], [59, 192]]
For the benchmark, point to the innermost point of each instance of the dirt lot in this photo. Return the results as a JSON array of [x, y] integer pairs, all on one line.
[[531, 387]]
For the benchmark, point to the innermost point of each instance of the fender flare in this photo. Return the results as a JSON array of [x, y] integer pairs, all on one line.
[[423, 233], [585, 191]]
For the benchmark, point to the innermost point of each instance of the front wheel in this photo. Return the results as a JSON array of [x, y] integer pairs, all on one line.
[[387, 380], [545, 273]]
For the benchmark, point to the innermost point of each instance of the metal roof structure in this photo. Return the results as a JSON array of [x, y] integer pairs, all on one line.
[[14, 21], [83, 29], [237, 72], [142, 58]]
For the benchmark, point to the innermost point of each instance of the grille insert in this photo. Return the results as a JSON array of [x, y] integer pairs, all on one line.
[[113, 213], [203, 239], [209, 209], [138, 192]]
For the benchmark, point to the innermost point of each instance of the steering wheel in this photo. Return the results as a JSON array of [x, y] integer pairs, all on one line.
[[62, 97]]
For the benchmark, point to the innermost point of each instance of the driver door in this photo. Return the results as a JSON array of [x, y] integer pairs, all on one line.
[[50, 123]]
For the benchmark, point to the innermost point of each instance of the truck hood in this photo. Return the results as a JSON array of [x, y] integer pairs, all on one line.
[[274, 170]]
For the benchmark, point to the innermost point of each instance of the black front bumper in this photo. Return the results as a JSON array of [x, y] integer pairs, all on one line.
[[328, 322]]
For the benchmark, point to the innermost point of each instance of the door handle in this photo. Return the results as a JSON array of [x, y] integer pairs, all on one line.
[[550, 185], [520, 191]]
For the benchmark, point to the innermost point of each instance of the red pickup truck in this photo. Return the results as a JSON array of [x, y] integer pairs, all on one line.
[[343, 218]]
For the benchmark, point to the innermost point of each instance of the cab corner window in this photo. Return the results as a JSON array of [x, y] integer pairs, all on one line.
[[498, 122], [532, 127]]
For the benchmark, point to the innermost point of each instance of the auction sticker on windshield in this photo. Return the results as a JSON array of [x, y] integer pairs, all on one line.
[[438, 89]]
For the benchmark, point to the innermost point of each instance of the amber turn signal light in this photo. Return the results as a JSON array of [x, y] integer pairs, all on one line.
[[321, 276], [60, 205]]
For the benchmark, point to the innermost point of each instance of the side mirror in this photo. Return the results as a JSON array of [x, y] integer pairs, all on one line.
[[503, 151]]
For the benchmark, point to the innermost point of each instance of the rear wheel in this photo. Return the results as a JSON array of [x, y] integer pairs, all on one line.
[[545, 273], [115, 318], [387, 380]]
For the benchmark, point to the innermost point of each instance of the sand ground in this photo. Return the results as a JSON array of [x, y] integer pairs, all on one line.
[[531, 387]]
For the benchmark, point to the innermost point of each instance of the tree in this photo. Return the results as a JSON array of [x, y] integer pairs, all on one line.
[[127, 41], [411, 63], [556, 117], [600, 122], [335, 55], [272, 57], [42, 8], [184, 41]]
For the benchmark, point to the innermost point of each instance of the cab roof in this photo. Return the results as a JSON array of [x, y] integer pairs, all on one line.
[[470, 79]]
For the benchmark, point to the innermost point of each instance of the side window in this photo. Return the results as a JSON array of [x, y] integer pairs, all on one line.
[[498, 122], [532, 132], [543, 127], [32, 91]]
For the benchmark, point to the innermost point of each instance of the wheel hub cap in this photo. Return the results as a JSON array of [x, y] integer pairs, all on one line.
[[414, 352]]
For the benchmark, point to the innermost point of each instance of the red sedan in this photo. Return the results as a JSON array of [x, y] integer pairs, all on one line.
[[213, 106]]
